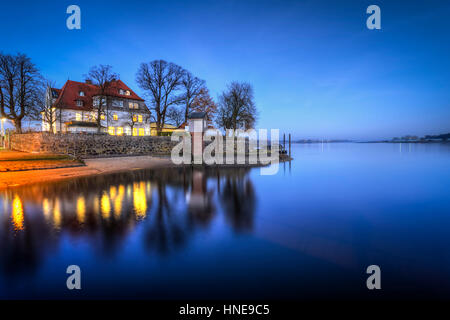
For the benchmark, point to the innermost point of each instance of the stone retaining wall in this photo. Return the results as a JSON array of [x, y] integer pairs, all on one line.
[[91, 145]]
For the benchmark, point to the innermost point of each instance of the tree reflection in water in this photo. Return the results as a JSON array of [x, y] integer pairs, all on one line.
[[168, 204]]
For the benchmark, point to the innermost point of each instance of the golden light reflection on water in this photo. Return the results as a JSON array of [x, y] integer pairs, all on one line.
[[118, 201], [81, 209], [140, 200], [57, 215], [113, 192], [105, 206], [111, 202], [46, 208], [17, 214]]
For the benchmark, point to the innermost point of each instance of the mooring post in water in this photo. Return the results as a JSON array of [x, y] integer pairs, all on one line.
[[284, 141], [289, 145]]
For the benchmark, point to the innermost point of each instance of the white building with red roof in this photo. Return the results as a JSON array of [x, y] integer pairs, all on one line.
[[75, 108]]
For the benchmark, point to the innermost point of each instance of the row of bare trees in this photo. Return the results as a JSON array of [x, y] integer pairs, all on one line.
[[172, 91], [169, 85]]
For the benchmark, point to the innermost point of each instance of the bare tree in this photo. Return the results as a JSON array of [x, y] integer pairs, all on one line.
[[49, 115], [205, 103], [192, 87], [237, 109], [20, 89], [102, 76], [161, 80], [176, 116]]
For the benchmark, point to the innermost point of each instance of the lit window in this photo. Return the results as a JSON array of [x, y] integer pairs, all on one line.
[[119, 131], [102, 117], [140, 118], [134, 132], [127, 93], [141, 131], [111, 130], [81, 93], [147, 131], [136, 106], [135, 118], [128, 131], [78, 116], [115, 117]]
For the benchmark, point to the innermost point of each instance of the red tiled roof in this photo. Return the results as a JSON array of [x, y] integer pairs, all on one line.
[[69, 94]]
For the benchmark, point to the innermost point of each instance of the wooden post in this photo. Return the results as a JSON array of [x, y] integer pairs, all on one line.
[[289, 145], [284, 141]]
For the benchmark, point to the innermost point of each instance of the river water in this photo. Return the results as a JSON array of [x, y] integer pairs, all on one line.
[[308, 232]]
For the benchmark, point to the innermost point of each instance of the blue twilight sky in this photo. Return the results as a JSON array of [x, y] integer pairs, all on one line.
[[317, 71]]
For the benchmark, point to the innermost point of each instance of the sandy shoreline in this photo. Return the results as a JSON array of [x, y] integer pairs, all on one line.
[[96, 166]]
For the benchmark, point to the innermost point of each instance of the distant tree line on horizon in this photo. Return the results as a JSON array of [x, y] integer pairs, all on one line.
[[443, 137], [172, 93]]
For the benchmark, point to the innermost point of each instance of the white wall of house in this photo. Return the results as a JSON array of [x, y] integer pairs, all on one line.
[[117, 122]]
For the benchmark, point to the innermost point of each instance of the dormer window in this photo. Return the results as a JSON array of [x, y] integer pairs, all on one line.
[[81, 93], [124, 92], [79, 103]]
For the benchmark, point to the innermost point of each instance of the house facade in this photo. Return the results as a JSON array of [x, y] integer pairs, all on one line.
[[75, 108]]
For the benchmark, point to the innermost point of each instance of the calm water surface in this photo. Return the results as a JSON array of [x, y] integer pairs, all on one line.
[[308, 232]]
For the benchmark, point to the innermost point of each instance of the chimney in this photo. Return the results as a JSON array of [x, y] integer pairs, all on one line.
[[88, 81]]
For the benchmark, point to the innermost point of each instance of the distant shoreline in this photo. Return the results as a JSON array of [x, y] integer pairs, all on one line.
[[380, 141], [404, 141]]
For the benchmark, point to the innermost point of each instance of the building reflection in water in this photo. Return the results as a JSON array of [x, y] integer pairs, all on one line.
[[199, 199], [169, 205]]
